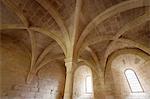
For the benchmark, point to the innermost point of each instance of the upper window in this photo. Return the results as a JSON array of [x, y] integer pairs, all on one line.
[[133, 81], [88, 84]]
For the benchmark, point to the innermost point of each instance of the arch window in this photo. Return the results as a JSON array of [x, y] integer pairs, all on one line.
[[83, 83], [88, 84], [133, 81]]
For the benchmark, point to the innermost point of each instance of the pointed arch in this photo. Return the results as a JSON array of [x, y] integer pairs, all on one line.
[[116, 53], [56, 16], [124, 6]]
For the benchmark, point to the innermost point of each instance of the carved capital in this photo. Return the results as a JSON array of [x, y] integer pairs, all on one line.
[[70, 64]]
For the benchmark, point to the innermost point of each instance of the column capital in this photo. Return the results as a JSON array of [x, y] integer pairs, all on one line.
[[70, 64]]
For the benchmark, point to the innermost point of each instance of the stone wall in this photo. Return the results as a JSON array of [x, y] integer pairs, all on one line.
[[119, 86], [48, 83]]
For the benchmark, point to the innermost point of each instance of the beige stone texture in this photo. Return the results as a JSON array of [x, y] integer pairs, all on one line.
[[44, 43]]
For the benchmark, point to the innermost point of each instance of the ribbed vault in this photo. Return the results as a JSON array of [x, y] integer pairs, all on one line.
[[89, 30]]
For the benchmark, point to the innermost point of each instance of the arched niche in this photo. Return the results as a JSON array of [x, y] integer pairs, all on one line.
[[83, 83], [118, 63]]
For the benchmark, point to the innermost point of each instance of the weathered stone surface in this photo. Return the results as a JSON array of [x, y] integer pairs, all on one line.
[[43, 42]]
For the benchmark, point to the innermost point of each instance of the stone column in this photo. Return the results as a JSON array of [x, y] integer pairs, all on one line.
[[69, 78]]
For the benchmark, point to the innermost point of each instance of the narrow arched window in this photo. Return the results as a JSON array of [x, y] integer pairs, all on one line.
[[88, 84], [133, 81]]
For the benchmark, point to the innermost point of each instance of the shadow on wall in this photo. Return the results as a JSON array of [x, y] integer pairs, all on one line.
[[47, 84]]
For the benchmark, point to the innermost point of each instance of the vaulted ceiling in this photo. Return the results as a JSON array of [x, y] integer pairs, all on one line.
[[84, 29]]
